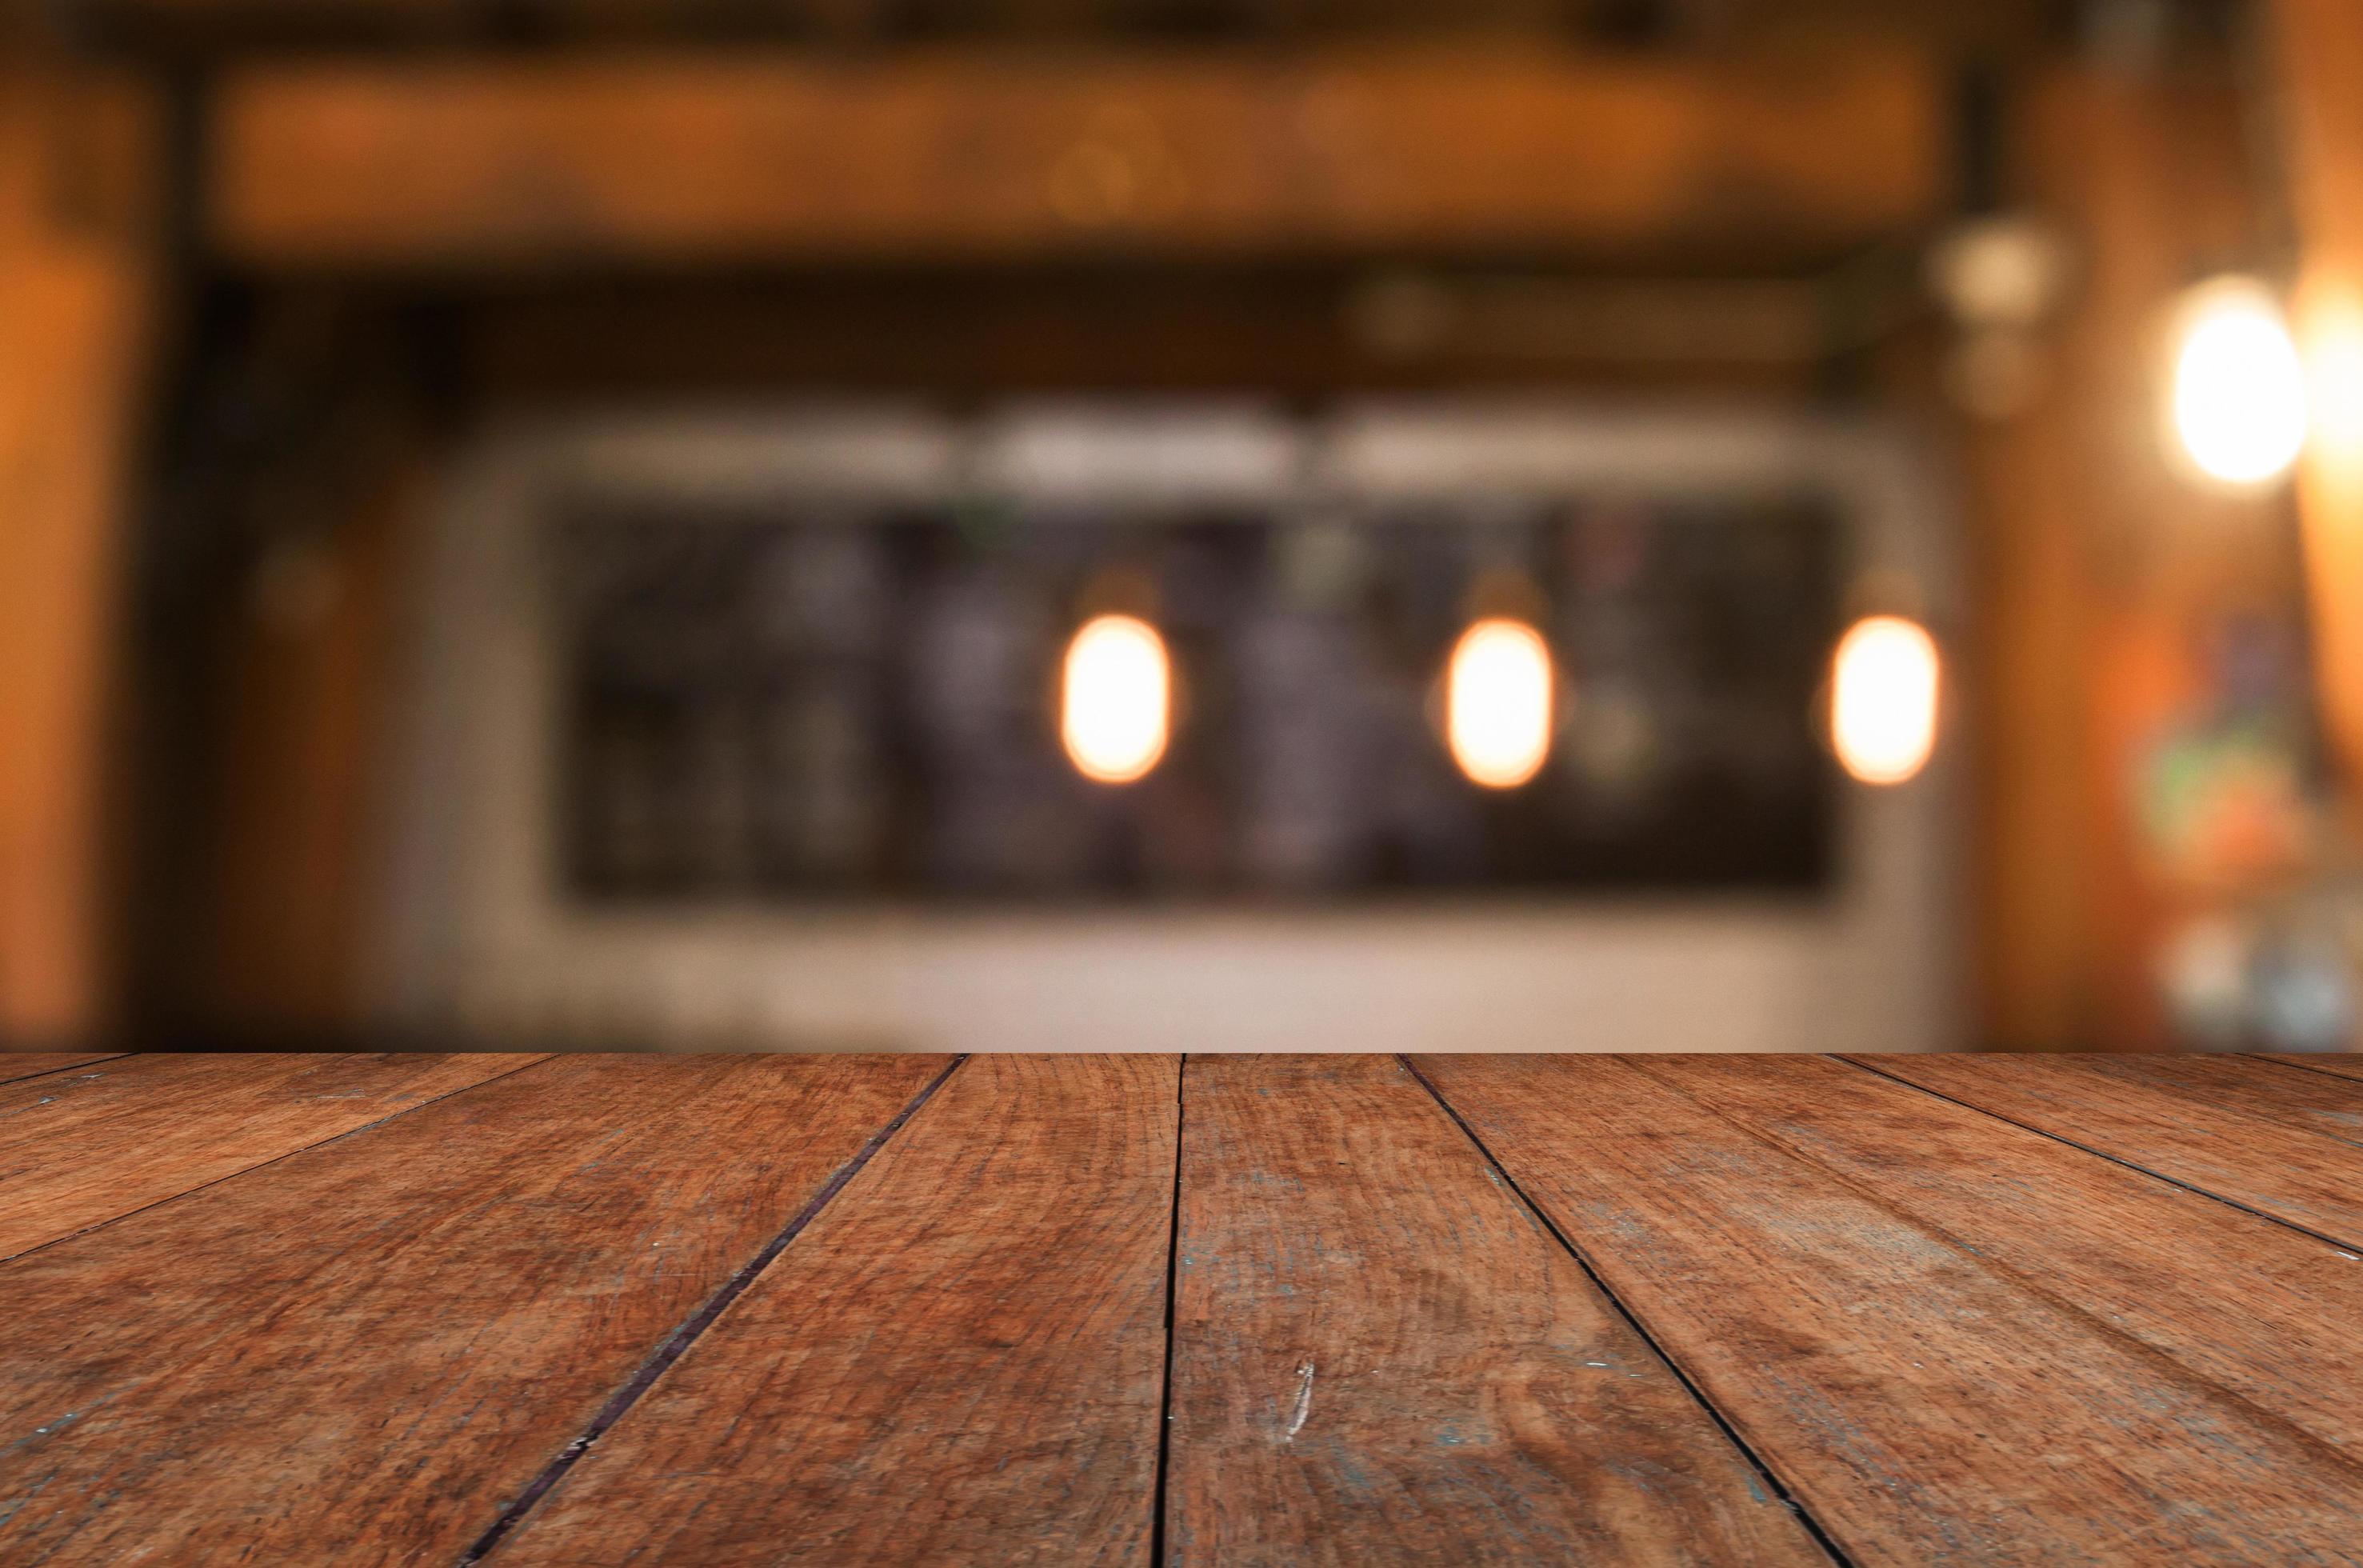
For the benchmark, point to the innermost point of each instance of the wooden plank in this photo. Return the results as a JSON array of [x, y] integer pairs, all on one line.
[[995, 154], [1380, 1355], [2287, 1144], [2259, 1309], [16, 1064], [963, 1360], [2339, 1064], [1924, 1404], [368, 1351], [79, 1150]]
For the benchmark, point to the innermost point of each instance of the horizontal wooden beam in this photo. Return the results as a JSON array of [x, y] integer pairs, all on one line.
[[705, 160]]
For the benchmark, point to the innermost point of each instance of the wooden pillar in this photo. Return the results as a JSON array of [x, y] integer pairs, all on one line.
[[287, 908], [2097, 560], [74, 308], [2318, 55]]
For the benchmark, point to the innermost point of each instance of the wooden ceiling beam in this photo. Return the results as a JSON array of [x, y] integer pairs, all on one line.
[[503, 165]]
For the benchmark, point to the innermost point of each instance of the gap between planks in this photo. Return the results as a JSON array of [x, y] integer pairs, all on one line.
[[677, 1343], [12, 1062], [1780, 1488], [1172, 1300], [2350, 1249], [2296, 1066]]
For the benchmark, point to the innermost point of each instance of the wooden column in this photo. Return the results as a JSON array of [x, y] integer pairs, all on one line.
[[74, 321], [287, 905], [2097, 560], [2318, 51]]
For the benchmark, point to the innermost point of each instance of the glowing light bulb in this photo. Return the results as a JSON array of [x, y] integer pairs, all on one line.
[[1497, 706], [1117, 699], [2239, 385], [1884, 699]]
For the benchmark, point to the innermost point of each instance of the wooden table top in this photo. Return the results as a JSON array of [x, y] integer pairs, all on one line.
[[1236, 1309]]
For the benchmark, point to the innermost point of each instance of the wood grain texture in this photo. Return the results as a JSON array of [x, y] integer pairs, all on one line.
[[2340, 1064], [2260, 1310], [1382, 1356], [18, 1064], [961, 1360], [2288, 1144], [991, 154], [366, 1351], [78, 1150], [1925, 1404]]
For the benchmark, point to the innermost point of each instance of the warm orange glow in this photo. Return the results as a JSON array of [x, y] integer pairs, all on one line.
[[1884, 699], [2333, 348], [1116, 700], [1498, 703]]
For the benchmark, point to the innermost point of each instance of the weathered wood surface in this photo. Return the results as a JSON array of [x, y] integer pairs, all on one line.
[[2259, 1309], [1380, 1355], [18, 1064], [961, 1360], [364, 1352], [1115, 1309], [2288, 1144], [80, 1148], [1925, 1404], [2341, 1064]]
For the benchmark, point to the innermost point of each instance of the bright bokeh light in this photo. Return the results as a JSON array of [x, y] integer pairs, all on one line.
[[1884, 699], [2239, 387], [1498, 703], [1115, 701], [2334, 352]]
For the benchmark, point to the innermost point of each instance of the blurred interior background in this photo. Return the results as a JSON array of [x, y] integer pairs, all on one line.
[[1283, 524]]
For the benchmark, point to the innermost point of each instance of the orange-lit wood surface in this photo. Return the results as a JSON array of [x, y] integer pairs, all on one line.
[[720, 1310], [712, 160], [77, 157]]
